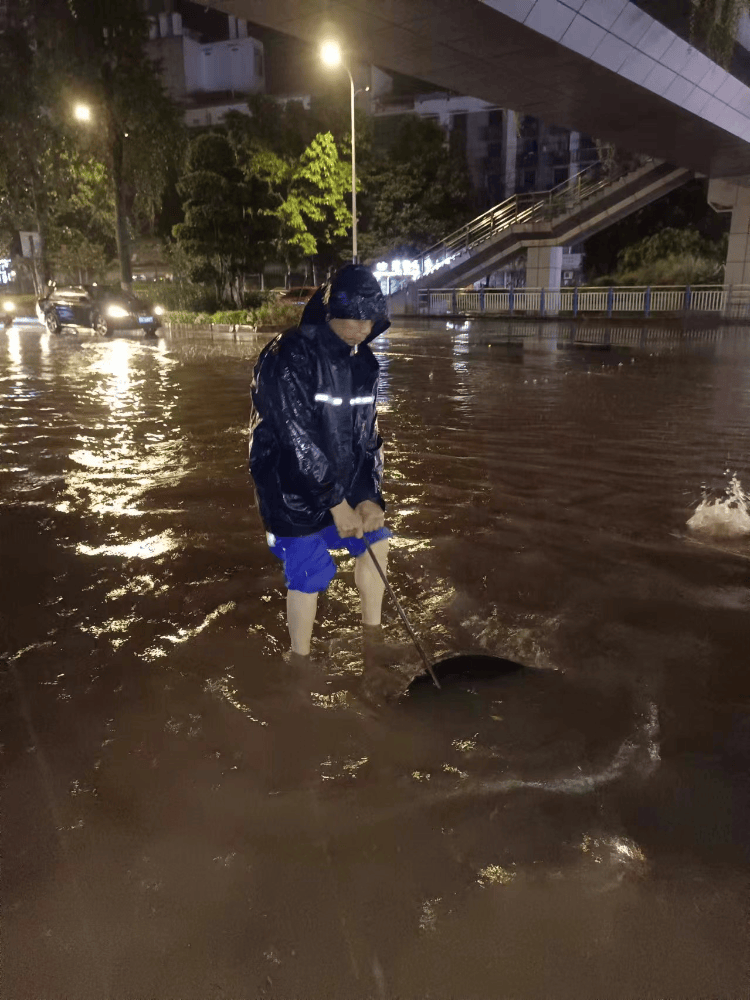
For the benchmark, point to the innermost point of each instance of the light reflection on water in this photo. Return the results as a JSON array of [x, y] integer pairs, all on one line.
[[540, 487]]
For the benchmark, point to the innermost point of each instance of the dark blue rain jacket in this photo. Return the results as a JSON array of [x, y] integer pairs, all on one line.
[[313, 427]]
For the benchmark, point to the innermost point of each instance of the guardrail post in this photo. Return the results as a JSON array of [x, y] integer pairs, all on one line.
[[610, 300], [575, 301], [481, 300], [511, 297], [454, 302], [647, 302], [688, 297], [541, 302]]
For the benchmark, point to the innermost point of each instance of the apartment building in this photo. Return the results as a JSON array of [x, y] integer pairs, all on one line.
[[207, 78]]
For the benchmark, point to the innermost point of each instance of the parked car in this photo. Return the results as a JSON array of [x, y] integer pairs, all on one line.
[[96, 309]]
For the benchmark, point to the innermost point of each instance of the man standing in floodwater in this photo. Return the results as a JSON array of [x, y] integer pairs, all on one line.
[[315, 452]]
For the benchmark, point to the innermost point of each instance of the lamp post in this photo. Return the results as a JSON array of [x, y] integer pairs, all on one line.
[[330, 53], [115, 139]]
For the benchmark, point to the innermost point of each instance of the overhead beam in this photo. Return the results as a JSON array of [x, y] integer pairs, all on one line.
[[473, 48]]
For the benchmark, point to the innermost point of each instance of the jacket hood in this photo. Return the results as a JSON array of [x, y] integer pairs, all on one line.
[[314, 313], [356, 294]]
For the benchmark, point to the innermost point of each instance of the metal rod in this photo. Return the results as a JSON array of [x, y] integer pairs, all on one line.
[[404, 619], [355, 259]]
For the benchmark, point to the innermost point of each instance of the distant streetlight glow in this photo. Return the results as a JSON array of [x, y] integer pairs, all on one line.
[[330, 53], [82, 112]]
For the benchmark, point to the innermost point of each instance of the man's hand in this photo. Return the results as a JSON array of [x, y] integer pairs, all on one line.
[[372, 515], [348, 521]]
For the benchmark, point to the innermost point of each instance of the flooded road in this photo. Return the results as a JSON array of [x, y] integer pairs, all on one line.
[[184, 818]]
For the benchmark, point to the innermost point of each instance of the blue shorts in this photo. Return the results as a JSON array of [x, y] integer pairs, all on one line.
[[308, 565]]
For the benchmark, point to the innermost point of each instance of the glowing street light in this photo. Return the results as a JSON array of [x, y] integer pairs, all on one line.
[[330, 54], [82, 112]]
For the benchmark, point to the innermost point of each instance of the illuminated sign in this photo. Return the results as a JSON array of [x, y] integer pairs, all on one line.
[[411, 268], [7, 274]]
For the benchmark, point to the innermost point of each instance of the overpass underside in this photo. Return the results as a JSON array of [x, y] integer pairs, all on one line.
[[603, 67]]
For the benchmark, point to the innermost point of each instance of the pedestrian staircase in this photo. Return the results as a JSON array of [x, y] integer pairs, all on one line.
[[567, 214]]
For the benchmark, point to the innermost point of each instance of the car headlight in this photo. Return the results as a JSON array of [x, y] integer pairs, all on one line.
[[9, 307], [117, 312], [158, 311]]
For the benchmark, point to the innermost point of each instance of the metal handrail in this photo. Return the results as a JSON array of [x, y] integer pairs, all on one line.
[[533, 206], [649, 300]]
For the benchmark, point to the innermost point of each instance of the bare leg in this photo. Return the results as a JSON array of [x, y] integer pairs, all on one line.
[[300, 617], [369, 584]]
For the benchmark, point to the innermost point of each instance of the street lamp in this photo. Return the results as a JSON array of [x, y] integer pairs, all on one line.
[[82, 112], [330, 54]]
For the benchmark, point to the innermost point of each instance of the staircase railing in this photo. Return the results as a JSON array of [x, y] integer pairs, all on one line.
[[533, 206]]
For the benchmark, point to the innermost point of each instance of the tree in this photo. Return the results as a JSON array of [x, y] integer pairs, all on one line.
[[32, 155], [417, 193], [685, 208], [666, 243], [223, 234], [59, 52], [136, 125], [304, 198], [302, 175], [669, 257], [713, 27], [81, 217]]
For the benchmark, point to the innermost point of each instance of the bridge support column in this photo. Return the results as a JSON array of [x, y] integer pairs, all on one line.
[[725, 196], [543, 269]]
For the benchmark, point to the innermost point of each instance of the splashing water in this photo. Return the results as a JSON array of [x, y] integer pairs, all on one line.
[[724, 517]]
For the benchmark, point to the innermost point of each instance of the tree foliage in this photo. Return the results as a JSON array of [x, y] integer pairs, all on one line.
[[409, 195], [300, 176], [224, 233], [32, 157], [82, 217], [58, 53], [713, 27], [414, 194], [667, 242], [685, 208], [304, 197], [669, 257], [137, 131]]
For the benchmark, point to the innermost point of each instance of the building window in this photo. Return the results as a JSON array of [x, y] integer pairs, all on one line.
[[495, 117], [459, 122], [561, 175], [529, 179]]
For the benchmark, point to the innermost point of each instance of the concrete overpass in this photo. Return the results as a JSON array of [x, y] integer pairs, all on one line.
[[603, 67]]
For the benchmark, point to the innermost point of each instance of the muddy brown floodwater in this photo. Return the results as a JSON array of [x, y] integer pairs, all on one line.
[[183, 818]]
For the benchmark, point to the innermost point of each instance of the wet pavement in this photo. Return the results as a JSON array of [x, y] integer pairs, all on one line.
[[185, 818]]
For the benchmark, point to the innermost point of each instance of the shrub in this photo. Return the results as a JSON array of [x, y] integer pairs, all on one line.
[[675, 269], [271, 313]]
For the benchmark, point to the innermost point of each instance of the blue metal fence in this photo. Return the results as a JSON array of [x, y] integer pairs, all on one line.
[[724, 300]]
